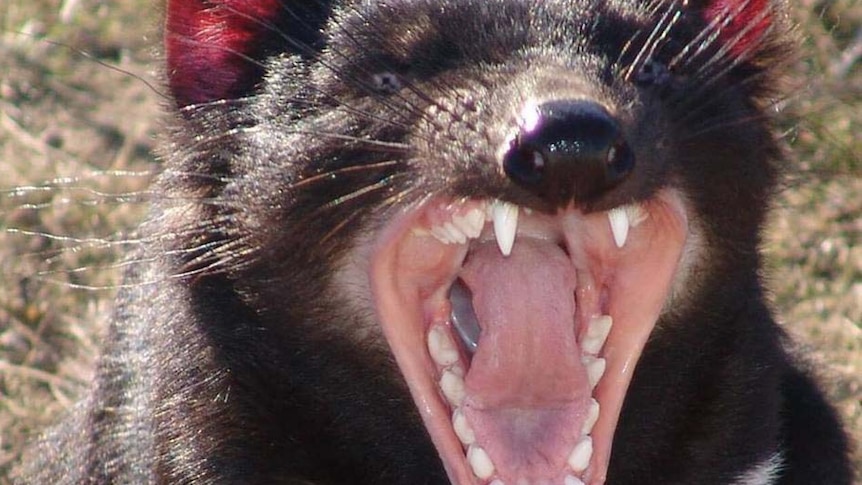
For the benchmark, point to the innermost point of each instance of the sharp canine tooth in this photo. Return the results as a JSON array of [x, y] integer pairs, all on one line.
[[462, 428], [441, 347], [579, 460], [572, 480], [505, 217], [595, 369], [453, 387], [480, 462], [597, 333], [592, 417], [619, 225]]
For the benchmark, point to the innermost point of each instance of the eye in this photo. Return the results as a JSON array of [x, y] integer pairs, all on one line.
[[386, 82], [652, 73]]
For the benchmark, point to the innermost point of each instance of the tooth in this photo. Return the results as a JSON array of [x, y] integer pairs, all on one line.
[[463, 225], [497, 481], [453, 387], [454, 233], [505, 217], [619, 225], [441, 234], [636, 214], [480, 462], [592, 417], [477, 218], [579, 460], [489, 209], [572, 480], [441, 347], [595, 368], [462, 428], [471, 223], [597, 333]]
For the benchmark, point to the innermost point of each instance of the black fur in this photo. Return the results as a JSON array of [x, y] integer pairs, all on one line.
[[234, 355]]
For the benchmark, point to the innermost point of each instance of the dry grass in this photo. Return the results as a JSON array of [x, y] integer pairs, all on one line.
[[73, 132], [69, 127], [815, 242]]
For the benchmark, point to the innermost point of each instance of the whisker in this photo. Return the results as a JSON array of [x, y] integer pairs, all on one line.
[[703, 41], [341, 171], [308, 50], [446, 87], [657, 34], [387, 202], [708, 126], [696, 105]]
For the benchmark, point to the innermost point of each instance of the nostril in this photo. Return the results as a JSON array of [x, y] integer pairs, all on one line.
[[524, 164], [620, 161]]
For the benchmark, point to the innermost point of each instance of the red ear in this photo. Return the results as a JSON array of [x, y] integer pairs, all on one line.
[[212, 47], [742, 23]]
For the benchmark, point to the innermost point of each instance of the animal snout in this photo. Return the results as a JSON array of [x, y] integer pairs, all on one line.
[[568, 150]]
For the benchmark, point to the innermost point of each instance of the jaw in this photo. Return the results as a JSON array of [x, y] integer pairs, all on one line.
[[564, 305]]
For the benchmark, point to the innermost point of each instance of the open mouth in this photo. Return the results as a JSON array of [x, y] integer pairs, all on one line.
[[518, 332]]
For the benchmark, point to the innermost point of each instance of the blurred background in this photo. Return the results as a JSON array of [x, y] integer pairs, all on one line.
[[79, 115]]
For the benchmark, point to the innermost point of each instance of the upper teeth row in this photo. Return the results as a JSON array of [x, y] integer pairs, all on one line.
[[504, 216]]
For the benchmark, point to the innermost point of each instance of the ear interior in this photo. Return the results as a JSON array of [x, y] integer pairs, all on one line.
[[216, 49], [741, 24]]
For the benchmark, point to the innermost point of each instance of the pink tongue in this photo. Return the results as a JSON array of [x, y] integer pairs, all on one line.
[[527, 390]]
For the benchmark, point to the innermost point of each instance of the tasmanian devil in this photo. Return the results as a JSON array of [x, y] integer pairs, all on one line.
[[457, 241]]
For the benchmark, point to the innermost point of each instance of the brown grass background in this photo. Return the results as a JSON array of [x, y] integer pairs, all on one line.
[[78, 119]]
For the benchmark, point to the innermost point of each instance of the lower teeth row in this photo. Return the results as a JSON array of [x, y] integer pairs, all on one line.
[[578, 461], [445, 354]]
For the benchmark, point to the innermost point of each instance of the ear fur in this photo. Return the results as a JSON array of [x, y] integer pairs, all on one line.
[[216, 48], [742, 25]]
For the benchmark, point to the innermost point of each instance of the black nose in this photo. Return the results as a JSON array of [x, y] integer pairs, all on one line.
[[568, 150]]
